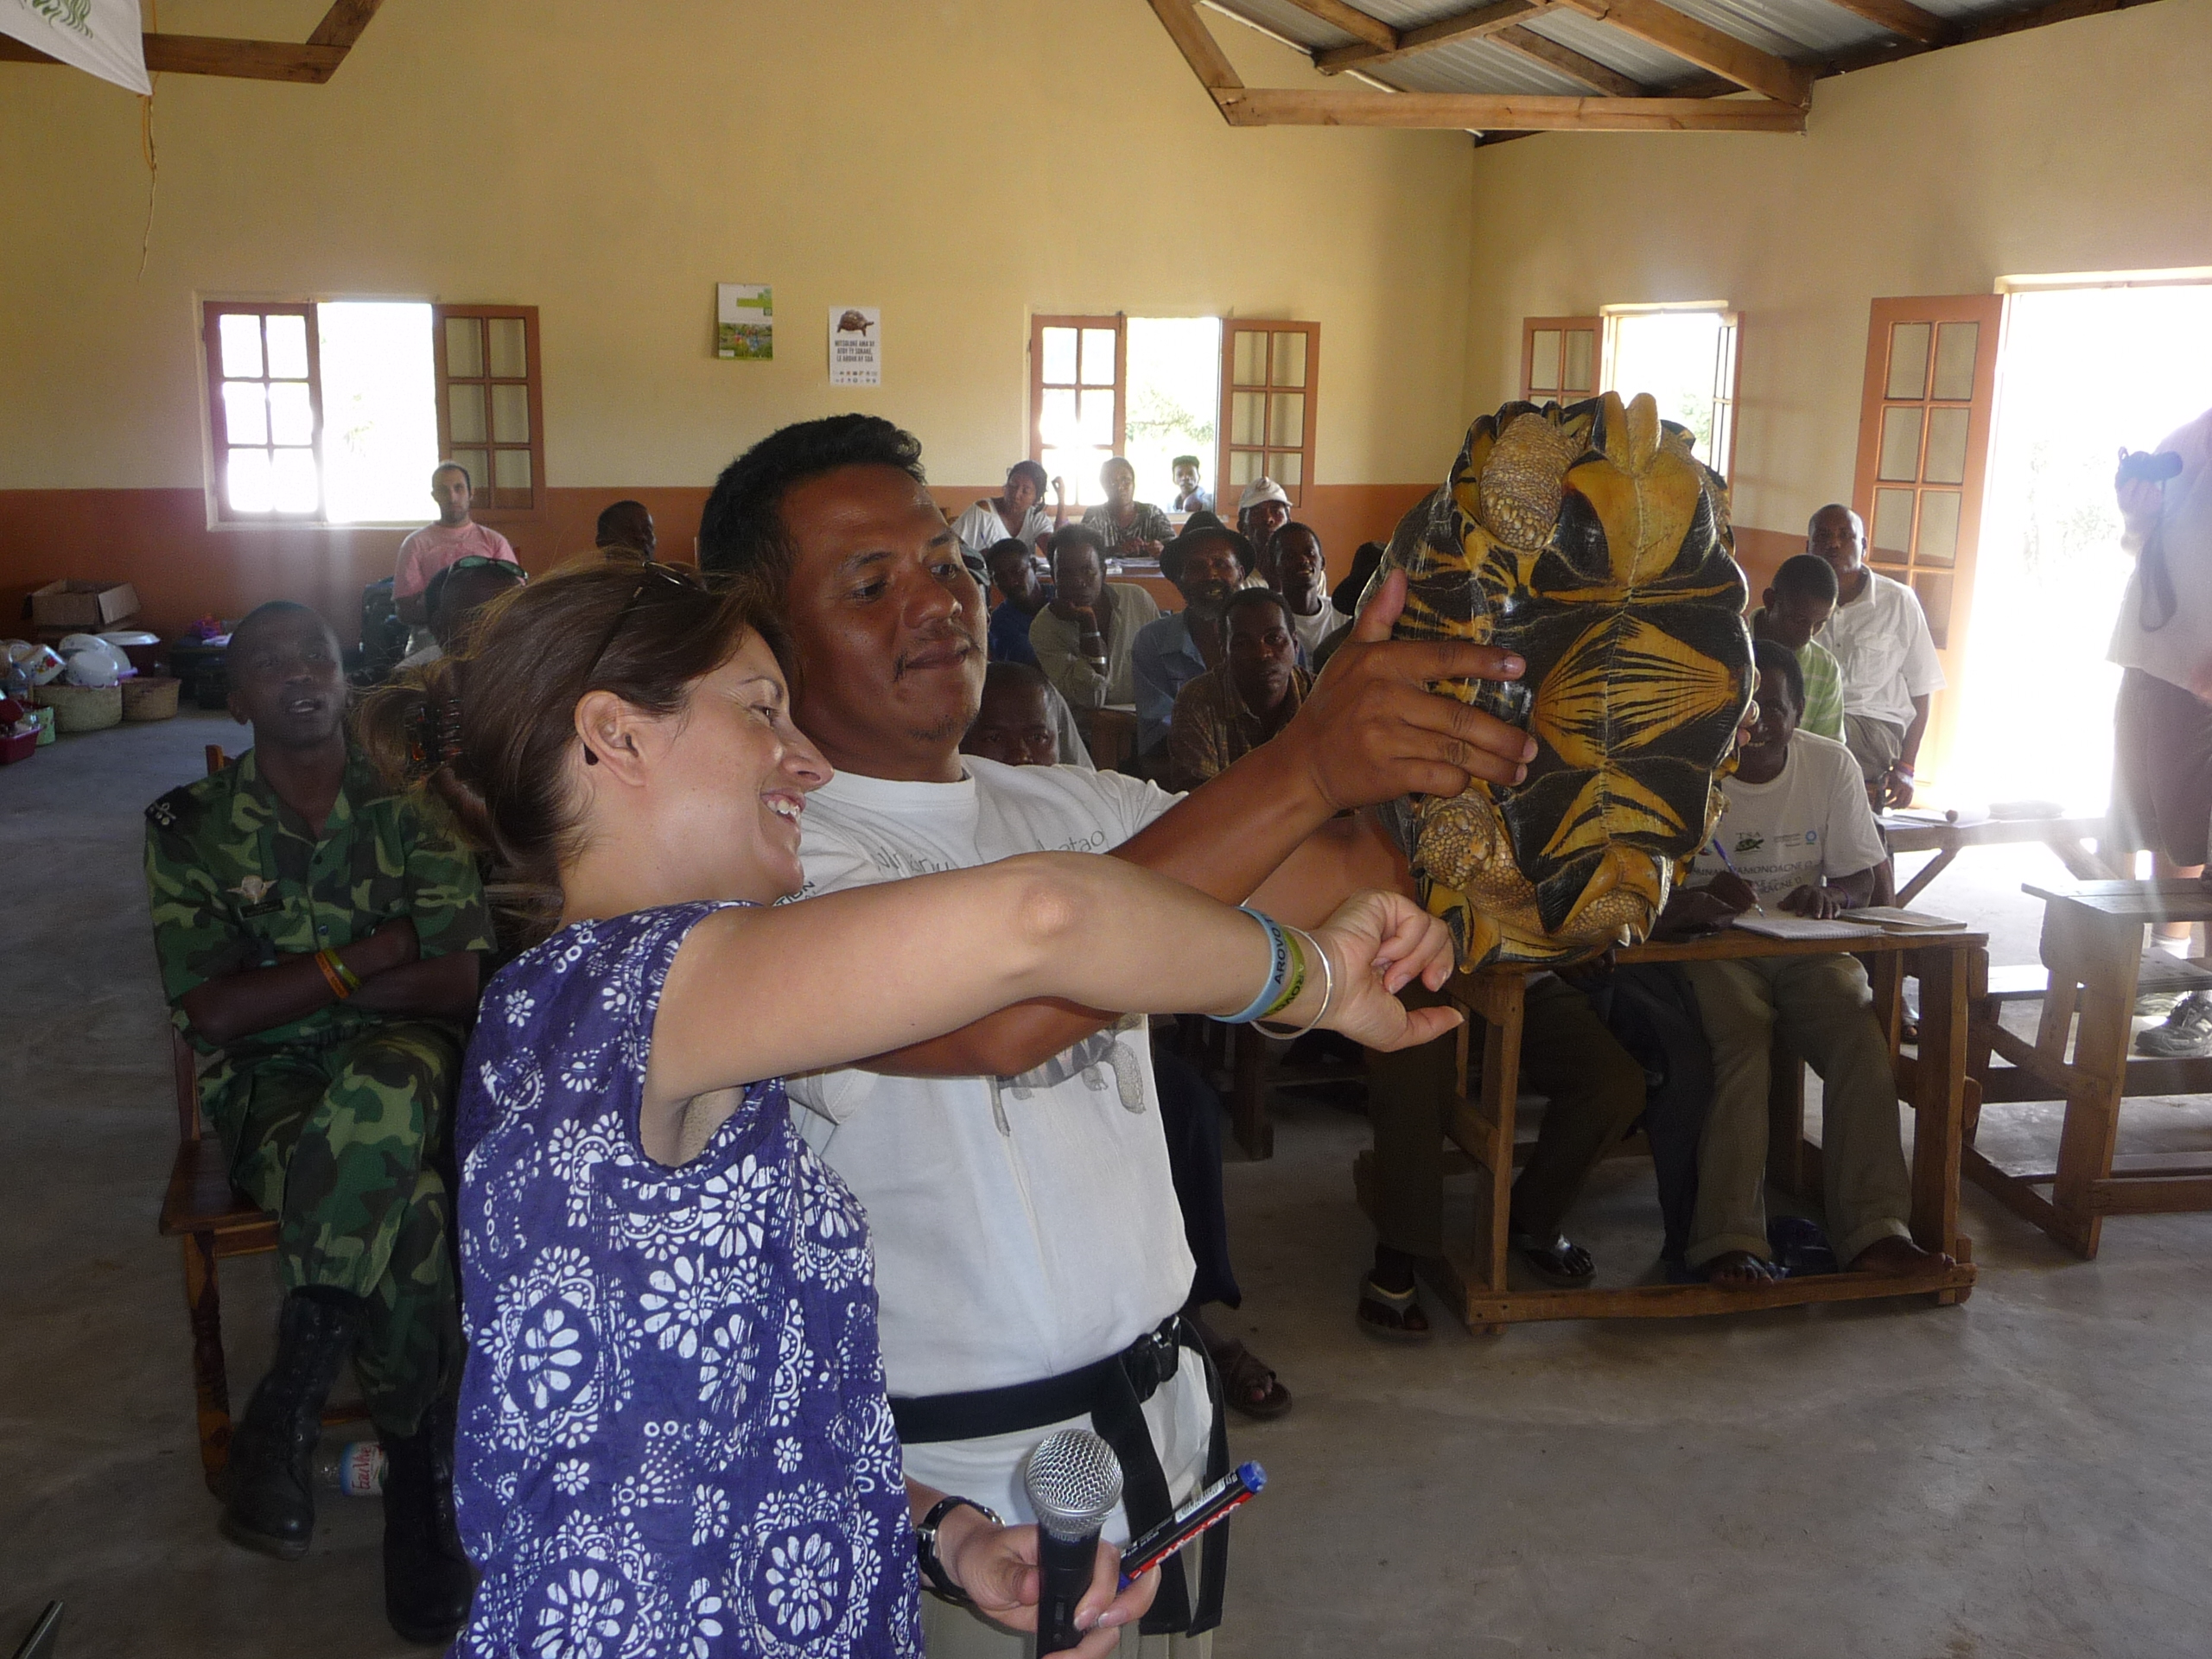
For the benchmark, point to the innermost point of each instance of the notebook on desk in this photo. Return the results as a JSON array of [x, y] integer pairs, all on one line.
[[1803, 927], [1890, 920]]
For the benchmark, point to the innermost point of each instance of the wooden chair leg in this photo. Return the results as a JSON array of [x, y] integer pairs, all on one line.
[[209, 1382], [1248, 1106]]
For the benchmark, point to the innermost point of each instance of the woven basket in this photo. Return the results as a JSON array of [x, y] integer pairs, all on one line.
[[149, 696], [83, 708]]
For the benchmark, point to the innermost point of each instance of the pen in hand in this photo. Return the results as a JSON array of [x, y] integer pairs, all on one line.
[[1721, 853]]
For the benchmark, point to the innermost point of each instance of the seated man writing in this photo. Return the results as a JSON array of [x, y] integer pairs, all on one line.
[[317, 936], [1233, 708], [1790, 613], [1800, 837]]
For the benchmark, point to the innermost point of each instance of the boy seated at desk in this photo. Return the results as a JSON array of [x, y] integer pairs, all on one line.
[[1800, 838]]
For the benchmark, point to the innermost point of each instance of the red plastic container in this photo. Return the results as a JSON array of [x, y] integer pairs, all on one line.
[[12, 750]]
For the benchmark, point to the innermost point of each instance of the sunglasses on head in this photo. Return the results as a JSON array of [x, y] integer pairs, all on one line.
[[662, 579]]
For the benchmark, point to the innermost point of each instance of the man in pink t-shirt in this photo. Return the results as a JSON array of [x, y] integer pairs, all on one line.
[[431, 549]]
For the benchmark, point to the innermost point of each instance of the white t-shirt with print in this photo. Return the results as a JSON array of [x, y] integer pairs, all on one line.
[[1023, 1227], [1880, 640], [1810, 822], [1313, 630]]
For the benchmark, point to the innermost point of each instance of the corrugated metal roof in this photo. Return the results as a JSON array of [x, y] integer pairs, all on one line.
[[1806, 31]]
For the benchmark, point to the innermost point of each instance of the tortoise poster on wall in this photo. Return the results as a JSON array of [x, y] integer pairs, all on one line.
[[1589, 540], [855, 346], [745, 321]]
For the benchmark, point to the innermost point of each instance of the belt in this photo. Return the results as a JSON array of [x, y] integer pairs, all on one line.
[[1112, 1392]]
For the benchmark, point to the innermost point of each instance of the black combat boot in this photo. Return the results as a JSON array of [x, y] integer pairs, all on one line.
[[269, 1499], [427, 1579]]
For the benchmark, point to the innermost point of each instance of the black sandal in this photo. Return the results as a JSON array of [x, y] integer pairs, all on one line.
[[1248, 1383], [1391, 1315], [1556, 1260]]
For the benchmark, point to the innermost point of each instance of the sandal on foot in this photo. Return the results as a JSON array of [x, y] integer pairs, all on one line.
[[1556, 1260], [1391, 1315], [1248, 1384]]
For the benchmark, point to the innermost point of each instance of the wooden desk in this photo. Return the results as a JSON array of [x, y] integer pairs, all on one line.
[[1475, 1281], [2092, 944], [2063, 837], [1110, 734]]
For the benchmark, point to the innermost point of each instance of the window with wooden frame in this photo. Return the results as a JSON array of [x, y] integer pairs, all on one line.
[[335, 412], [1687, 357], [1558, 359], [490, 418], [1270, 376], [1078, 372], [265, 411], [1924, 450]]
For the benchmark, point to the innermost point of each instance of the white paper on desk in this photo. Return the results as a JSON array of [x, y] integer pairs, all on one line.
[[1804, 927], [1890, 920]]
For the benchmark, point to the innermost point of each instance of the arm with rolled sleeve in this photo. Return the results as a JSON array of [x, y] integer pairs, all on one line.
[[1054, 642]]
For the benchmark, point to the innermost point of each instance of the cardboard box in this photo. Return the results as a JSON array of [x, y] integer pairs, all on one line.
[[89, 606]]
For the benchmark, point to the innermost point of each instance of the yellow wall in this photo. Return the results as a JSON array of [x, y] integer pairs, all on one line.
[[959, 164], [2083, 146]]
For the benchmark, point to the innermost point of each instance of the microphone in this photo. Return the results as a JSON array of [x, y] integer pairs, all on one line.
[[1073, 1482]]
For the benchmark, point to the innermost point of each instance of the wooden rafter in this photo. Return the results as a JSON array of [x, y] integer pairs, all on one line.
[[1269, 106], [1461, 26], [1704, 46], [1196, 44], [1353, 21], [1987, 29], [1572, 64], [1902, 17], [311, 63]]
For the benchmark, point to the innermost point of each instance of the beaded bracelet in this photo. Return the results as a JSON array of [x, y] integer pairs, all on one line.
[[1328, 994], [1285, 961]]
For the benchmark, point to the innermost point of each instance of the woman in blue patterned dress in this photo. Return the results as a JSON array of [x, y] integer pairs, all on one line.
[[674, 1438]]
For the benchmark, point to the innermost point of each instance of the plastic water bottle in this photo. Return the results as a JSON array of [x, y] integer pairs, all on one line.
[[355, 1468]]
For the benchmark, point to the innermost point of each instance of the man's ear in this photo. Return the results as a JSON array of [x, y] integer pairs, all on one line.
[[237, 713], [1766, 599]]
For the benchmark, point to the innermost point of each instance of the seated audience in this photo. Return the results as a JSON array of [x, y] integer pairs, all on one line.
[[1790, 613], [429, 550], [1023, 576], [1880, 638], [318, 940], [1262, 509], [627, 527], [1019, 513], [1129, 528], [1803, 840], [1233, 708], [1207, 563], [1366, 560], [1013, 722], [454, 596], [1084, 640], [1295, 569], [1190, 495]]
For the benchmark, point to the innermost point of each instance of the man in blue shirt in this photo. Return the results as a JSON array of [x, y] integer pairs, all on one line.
[[1207, 563], [1025, 582]]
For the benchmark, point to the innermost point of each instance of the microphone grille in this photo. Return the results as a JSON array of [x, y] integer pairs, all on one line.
[[1073, 1481]]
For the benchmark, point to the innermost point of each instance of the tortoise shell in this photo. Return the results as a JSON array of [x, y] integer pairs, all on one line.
[[1587, 539]]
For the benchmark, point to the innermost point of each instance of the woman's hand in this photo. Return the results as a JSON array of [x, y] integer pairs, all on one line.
[[997, 1566], [1378, 944], [1821, 903]]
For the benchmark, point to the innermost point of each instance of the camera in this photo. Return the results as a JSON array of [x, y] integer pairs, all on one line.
[[2153, 469]]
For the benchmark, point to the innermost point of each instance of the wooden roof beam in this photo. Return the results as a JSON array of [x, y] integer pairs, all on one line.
[[343, 23], [1372, 31], [310, 64], [1196, 44], [1987, 29], [1704, 46], [1462, 26], [1267, 106], [1902, 17], [1572, 64]]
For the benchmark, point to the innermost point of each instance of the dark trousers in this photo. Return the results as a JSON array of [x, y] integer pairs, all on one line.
[[1594, 1091], [1652, 1011], [1191, 1114]]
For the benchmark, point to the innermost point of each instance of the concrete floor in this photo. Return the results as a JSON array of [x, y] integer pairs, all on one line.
[[2026, 1475]]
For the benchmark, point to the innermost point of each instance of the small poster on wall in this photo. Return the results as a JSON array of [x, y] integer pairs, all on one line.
[[855, 346], [745, 321]]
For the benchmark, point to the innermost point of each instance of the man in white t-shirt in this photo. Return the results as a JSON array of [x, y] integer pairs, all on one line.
[[1800, 837], [1030, 1252], [1295, 568], [1879, 637], [455, 536]]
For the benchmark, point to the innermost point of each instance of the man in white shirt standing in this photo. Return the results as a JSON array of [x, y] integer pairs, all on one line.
[[1030, 1252], [1798, 836], [1879, 637], [455, 536]]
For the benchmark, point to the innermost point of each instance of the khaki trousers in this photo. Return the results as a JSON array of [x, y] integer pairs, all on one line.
[[1876, 744], [949, 1632], [1824, 1008]]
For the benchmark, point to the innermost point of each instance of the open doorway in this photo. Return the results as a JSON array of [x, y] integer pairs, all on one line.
[[2084, 371]]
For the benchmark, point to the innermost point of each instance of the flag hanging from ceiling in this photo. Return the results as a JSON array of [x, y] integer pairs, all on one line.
[[101, 37]]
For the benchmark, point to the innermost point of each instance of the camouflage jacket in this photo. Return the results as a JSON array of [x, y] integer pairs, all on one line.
[[236, 880]]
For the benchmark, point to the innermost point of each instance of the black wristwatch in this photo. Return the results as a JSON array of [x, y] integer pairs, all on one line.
[[935, 1579]]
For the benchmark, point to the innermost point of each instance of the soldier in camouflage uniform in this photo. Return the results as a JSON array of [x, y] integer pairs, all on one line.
[[318, 937]]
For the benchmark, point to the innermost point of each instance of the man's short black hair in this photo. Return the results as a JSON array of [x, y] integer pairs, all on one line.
[[741, 531], [1778, 662], [453, 466], [259, 616], [1001, 677], [1068, 535], [1246, 598], [1807, 576], [1034, 472], [610, 522]]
